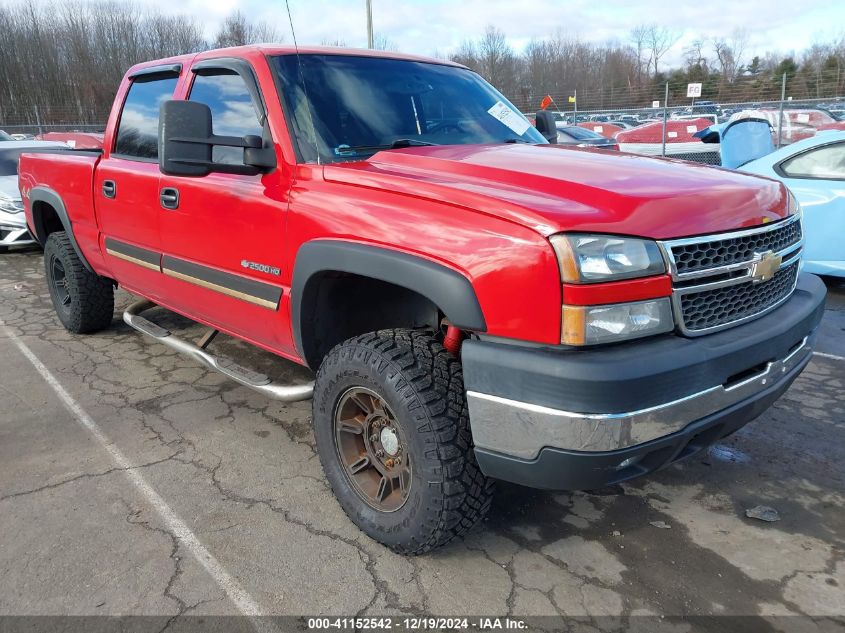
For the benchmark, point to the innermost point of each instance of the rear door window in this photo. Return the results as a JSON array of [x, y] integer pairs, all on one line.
[[232, 110], [137, 133]]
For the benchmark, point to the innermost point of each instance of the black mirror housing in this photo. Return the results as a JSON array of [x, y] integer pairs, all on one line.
[[186, 142], [544, 121], [182, 126]]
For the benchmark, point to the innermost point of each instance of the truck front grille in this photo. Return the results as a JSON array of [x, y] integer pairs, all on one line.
[[711, 308], [715, 252], [714, 282]]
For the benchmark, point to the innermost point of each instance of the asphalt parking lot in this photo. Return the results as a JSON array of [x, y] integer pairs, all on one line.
[[136, 482]]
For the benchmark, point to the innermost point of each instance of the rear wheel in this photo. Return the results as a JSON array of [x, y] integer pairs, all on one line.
[[392, 431], [83, 300]]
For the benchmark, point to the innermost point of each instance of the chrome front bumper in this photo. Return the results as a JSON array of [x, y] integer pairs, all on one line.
[[522, 429]]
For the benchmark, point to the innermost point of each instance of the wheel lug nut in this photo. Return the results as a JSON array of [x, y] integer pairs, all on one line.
[[380, 453]]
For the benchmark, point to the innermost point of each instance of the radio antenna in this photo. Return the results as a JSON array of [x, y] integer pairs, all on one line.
[[302, 80]]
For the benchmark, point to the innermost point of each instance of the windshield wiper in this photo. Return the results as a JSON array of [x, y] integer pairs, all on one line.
[[514, 140], [397, 144]]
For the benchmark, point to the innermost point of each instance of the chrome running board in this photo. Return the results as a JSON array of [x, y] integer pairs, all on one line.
[[246, 377]]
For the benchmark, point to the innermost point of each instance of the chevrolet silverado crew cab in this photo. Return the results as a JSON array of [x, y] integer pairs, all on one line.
[[476, 303]]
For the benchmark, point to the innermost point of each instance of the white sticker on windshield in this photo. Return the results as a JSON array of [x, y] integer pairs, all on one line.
[[598, 128], [506, 116], [691, 129], [803, 118], [672, 134]]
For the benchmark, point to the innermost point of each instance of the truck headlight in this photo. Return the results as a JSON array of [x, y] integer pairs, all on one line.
[[595, 258], [8, 205], [793, 206], [590, 325]]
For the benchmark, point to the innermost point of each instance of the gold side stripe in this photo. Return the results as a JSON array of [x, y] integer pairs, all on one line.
[[264, 303], [134, 260]]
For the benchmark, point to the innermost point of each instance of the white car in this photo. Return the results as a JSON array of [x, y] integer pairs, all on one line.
[[13, 230]]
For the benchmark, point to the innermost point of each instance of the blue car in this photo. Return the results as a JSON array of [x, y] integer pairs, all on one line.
[[813, 169]]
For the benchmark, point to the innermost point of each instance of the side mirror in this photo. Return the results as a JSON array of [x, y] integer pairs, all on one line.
[[186, 141], [184, 129], [544, 121]]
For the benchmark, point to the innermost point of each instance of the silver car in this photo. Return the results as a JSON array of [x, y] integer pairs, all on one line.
[[13, 230]]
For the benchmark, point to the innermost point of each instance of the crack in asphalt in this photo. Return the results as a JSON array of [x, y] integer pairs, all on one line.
[[58, 484]]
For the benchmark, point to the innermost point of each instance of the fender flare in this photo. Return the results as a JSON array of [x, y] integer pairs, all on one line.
[[50, 197], [448, 289]]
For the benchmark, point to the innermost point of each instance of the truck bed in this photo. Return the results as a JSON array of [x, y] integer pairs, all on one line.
[[70, 174]]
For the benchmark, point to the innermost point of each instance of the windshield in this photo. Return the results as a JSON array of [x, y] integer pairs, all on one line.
[[344, 107]]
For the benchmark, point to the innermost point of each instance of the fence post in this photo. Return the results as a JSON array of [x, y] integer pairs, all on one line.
[[780, 117], [38, 121], [665, 112]]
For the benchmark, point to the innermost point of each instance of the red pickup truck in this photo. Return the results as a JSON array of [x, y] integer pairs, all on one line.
[[477, 303]]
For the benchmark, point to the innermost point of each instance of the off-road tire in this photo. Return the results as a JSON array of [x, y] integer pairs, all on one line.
[[91, 297], [423, 386]]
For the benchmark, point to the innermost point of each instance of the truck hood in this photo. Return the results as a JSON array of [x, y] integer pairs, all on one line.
[[553, 189]]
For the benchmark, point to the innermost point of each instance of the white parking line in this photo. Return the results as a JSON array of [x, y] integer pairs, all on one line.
[[830, 356], [245, 603]]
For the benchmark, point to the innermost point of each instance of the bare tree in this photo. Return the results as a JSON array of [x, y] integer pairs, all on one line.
[[382, 43], [729, 53], [467, 54], [694, 56], [659, 40], [61, 62], [639, 38], [493, 58], [237, 30]]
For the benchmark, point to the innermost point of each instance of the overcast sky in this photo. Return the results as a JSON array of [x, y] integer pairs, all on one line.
[[423, 26]]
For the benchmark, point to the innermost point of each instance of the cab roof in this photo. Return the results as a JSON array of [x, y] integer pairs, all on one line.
[[287, 49]]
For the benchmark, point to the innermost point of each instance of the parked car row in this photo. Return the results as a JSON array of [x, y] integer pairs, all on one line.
[[834, 111]]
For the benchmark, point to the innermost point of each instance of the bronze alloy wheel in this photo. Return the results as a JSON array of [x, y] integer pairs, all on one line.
[[372, 449], [392, 431]]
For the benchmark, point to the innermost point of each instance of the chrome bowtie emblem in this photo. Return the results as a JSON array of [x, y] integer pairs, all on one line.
[[764, 266]]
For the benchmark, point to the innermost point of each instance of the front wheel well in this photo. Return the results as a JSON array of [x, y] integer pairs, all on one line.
[[337, 306]]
